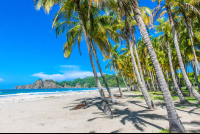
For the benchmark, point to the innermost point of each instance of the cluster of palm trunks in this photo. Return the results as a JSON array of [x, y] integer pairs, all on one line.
[[151, 62]]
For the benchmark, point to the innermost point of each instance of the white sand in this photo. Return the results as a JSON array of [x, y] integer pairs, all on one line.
[[51, 113]]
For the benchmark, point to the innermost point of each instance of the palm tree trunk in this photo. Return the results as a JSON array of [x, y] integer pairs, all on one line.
[[176, 87], [152, 81], [127, 38], [114, 68], [102, 75], [145, 93], [106, 107], [175, 124], [136, 85], [148, 86], [179, 78], [128, 82], [195, 75], [136, 53], [167, 78], [176, 43], [189, 28], [125, 82]]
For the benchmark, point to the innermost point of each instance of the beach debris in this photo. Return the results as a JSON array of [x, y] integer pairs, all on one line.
[[82, 105], [115, 96]]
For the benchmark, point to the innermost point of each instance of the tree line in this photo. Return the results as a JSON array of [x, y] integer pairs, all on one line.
[[89, 82]]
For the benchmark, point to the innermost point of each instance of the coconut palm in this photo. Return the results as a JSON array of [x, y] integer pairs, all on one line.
[[188, 20], [128, 31], [113, 56], [174, 121], [167, 5], [164, 27], [69, 6]]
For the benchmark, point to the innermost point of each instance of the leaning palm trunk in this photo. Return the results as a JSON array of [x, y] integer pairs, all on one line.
[[181, 64], [189, 28], [195, 75], [167, 79], [168, 82], [136, 53], [177, 78], [125, 82], [175, 124], [145, 93], [152, 81], [114, 68], [106, 107], [176, 87], [102, 75], [136, 85]]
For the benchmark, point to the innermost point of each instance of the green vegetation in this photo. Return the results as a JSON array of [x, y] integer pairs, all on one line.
[[182, 107], [198, 105], [134, 92], [164, 131], [140, 97], [191, 99], [157, 98], [90, 82]]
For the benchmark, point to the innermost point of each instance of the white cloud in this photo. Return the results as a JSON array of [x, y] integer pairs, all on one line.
[[1, 80], [68, 72], [66, 76]]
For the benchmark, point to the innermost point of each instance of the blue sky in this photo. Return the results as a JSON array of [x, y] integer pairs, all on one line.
[[29, 49]]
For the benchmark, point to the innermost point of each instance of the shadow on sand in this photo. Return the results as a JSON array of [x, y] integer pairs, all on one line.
[[139, 119], [136, 118]]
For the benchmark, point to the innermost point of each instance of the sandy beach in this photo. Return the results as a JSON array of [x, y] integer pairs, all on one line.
[[52, 114]]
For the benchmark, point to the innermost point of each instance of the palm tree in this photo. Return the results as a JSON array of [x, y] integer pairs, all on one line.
[[125, 82], [106, 107], [146, 61], [69, 6], [182, 9], [101, 39], [195, 73], [132, 43], [102, 75], [174, 121], [165, 28], [113, 56], [176, 43]]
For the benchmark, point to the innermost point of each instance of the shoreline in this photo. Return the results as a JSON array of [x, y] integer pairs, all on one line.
[[27, 97]]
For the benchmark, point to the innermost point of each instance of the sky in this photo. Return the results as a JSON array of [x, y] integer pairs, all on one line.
[[29, 49]]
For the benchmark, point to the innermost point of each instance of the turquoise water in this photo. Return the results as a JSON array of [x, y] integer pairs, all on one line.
[[22, 92]]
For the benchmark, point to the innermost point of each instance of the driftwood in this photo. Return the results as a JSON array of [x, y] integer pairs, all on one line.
[[82, 105], [115, 97]]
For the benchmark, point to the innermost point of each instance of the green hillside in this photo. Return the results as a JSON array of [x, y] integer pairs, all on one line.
[[90, 82]]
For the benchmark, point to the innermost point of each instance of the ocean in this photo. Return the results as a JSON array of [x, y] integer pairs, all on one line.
[[23, 92]]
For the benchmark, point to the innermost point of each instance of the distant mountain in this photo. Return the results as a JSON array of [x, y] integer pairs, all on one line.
[[88, 82], [39, 84]]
